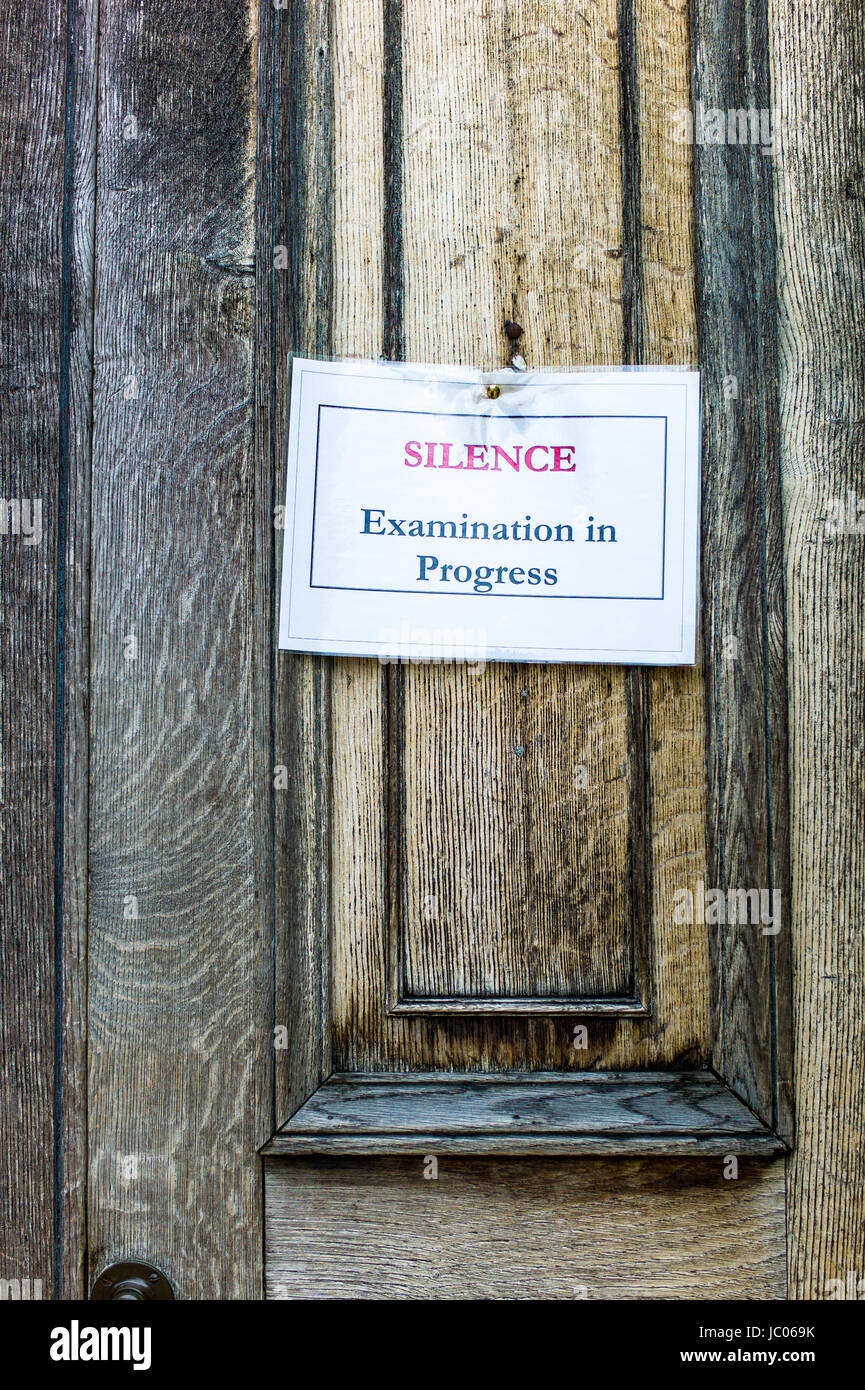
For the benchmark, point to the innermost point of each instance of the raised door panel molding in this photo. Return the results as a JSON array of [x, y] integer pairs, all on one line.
[[505, 872], [540, 1113]]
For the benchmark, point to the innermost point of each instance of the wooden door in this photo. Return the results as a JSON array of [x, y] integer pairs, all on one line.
[[476, 872], [384, 962]]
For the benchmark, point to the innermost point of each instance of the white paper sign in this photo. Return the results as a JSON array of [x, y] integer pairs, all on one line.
[[557, 522]]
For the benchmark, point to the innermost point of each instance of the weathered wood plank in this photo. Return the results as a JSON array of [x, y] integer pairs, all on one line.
[[32, 93], [172, 1003], [743, 620], [272, 1061], [546, 1113], [676, 697], [45, 124], [71, 1078], [296, 307], [757, 1142], [818, 57], [521, 1228]]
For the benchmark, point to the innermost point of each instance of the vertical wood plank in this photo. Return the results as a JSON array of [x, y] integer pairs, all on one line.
[[45, 124], [172, 1002], [818, 57], [668, 336], [367, 319], [71, 1056], [265, 516], [296, 316], [743, 619], [32, 91]]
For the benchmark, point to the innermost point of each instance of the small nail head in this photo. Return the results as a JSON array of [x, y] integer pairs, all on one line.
[[513, 330]]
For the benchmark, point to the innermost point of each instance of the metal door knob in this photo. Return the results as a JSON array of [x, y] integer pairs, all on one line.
[[132, 1282]]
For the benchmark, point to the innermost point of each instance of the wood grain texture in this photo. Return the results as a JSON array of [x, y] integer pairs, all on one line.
[[46, 122], [71, 1077], [535, 895], [817, 65], [676, 697], [508, 891], [616, 270], [33, 167], [522, 1229], [172, 1003], [295, 314], [524, 168], [743, 612], [537, 1113], [452, 738]]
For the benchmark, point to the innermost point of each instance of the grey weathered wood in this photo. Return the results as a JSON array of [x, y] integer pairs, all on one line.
[[71, 1076], [818, 57], [523, 1229], [541, 1113], [760, 1144], [263, 521], [45, 129], [172, 998], [743, 605], [30, 437], [536, 1006], [294, 315]]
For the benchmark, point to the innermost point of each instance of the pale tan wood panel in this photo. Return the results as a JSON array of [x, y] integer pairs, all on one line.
[[484, 818], [357, 859], [511, 127], [484, 785], [677, 763], [461, 897], [172, 998], [818, 56], [523, 1229]]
